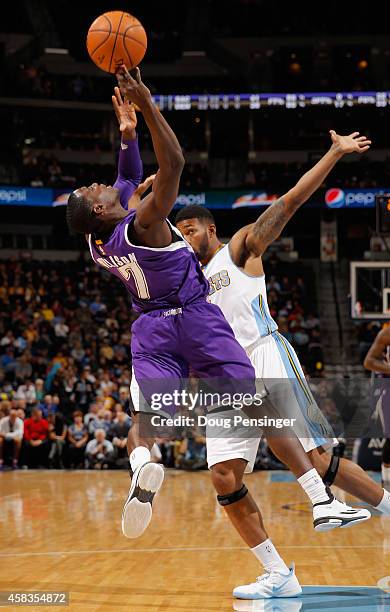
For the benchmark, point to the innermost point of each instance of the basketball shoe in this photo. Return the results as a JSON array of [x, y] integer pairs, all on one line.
[[137, 511], [270, 584], [330, 514]]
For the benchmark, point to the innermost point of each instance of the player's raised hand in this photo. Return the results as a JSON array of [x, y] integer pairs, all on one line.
[[353, 143], [125, 113], [132, 87], [139, 192]]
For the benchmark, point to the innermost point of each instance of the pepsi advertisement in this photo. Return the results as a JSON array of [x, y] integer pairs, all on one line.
[[334, 198], [353, 198]]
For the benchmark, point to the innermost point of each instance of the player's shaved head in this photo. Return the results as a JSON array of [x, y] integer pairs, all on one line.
[[94, 209], [79, 214]]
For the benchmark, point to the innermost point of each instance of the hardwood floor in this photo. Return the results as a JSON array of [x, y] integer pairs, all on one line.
[[61, 531]]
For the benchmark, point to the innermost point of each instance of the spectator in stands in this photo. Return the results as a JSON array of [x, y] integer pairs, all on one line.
[[36, 439], [77, 438], [273, 284], [49, 405], [99, 451], [23, 368], [124, 398], [57, 435], [91, 414], [120, 429], [100, 422], [11, 435], [118, 410], [39, 389], [27, 392], [84, 390]]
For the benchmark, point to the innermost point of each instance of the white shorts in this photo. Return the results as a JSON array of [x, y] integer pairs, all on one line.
[[273, 359]]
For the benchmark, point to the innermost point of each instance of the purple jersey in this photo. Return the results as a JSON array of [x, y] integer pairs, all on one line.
[[157, 278]]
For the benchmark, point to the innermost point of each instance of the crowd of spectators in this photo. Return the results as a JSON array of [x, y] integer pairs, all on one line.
[[279, 177], [65, 363], [45, 170]]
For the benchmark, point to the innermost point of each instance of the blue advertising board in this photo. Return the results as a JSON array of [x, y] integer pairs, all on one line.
[[334, 198]]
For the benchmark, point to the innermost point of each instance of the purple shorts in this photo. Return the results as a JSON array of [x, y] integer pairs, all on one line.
[[169, 344]]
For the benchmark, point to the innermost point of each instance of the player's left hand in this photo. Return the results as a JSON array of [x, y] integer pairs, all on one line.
[[353, 143], [139, 192], [125, 113]]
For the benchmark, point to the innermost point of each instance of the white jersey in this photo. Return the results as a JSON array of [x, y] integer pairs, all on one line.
[[243, 300], [241, 297]]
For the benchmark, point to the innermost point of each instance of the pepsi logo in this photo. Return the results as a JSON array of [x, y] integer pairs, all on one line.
[[335, 198]]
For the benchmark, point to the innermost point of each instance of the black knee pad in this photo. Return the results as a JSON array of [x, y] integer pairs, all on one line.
[[232, 498], [331, 472], [386, 452]]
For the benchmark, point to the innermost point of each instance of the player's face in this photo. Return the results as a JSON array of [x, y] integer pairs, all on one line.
[[196, 233], [103, 195]]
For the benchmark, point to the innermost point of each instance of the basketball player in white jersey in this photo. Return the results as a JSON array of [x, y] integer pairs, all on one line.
[[378, 360], [237, 285]]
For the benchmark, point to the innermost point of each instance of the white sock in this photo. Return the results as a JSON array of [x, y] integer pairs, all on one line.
[[267, 554], [314, 487], [386, 475], [384, 505], [139, 456]]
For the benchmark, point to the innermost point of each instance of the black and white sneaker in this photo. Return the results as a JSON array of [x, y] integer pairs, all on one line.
[[331, 514], [137, 511]]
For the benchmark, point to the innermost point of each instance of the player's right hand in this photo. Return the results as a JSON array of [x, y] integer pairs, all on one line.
[[124, 111], [133, 88]]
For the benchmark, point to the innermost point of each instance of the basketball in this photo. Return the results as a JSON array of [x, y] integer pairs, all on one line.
[[116, 38]]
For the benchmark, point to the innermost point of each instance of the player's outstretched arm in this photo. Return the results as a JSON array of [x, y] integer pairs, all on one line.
[[375, 358], [156, 207], [270, 224], [129, 162]]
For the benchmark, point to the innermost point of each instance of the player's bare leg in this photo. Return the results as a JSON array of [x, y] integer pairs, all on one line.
[[354, 480], [147, 478], [242, 510]]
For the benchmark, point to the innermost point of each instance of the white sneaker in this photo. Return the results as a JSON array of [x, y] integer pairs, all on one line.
[[268, 605], [270, 584], [333, 513], [137, 511]]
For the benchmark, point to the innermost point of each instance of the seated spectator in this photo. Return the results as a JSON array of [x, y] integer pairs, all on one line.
[[124, 398], [99, 451], [11, 435], [118, 410], [120, 429], [78, 438], [100, 422], [57, 434], [49, 405], [91, 414], [27, 392], [193, 451], [36, 439]]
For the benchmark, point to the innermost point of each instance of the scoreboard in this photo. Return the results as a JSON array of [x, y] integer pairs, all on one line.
[[254, 101]]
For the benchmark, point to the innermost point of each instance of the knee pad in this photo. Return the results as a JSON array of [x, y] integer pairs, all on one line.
[[232, 498], [331, 472], [386, 452]]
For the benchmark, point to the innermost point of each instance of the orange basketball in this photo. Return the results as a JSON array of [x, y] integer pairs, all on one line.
[[116, 38]]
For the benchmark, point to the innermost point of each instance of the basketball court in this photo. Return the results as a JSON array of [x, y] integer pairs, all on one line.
[[61, 531]]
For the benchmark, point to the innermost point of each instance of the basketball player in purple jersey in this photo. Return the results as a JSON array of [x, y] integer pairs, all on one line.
[[378, 360], [177, 328], [167, 285]]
